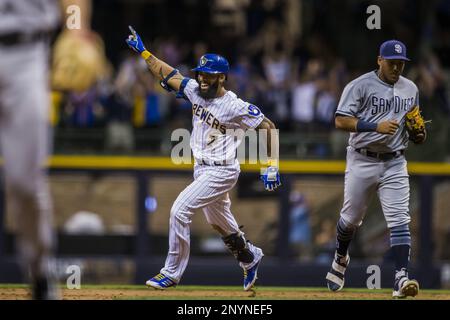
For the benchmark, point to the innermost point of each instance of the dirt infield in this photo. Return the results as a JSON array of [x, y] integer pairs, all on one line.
[[226, 293]]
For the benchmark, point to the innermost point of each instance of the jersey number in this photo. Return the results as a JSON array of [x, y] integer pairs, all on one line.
[[253, 110], [211, 139]]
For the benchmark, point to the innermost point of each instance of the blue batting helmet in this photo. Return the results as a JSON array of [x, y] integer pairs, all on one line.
[[212, 63]]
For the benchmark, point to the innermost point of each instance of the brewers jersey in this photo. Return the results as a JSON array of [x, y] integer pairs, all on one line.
[[213, 122]]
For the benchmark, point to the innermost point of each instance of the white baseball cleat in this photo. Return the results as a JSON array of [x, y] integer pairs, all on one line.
[[404, 287], [335, 278]]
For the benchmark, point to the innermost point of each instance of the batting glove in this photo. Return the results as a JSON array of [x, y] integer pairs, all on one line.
[[134, 41], [271, 178]]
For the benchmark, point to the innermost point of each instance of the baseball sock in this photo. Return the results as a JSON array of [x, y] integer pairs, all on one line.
[[401, 246], [345, 233]]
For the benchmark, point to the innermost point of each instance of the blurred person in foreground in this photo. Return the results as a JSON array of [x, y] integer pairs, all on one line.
[[26, 28]]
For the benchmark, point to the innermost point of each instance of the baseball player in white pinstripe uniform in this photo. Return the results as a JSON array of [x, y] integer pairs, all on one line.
[[215, 112]]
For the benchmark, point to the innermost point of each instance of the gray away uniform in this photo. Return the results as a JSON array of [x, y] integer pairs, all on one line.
[[24, 134], [370, 99]]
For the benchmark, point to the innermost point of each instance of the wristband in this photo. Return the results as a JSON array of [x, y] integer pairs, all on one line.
[[365, 126], [272, 163], [146, 54]]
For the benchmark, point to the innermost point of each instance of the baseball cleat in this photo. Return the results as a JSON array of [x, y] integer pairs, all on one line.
[[45, 289], [335, 278], [250, 276], [404, 287], [160, 281]]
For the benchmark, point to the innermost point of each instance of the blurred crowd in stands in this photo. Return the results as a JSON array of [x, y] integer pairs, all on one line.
[[287, 57]]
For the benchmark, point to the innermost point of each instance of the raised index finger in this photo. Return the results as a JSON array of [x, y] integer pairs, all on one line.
[[132, 31]]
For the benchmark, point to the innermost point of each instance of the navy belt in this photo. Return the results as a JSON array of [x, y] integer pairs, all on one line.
[[381, 156], [16, 38]]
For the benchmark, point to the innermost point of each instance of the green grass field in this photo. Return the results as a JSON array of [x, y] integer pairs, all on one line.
[[133, 292]]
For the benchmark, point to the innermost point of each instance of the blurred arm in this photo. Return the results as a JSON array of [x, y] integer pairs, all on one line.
[[272, 133]]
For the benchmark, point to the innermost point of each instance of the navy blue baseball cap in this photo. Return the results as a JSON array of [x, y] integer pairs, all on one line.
[[393, 49]]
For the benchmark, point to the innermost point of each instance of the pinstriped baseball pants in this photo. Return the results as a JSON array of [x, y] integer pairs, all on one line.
[[208, 191]]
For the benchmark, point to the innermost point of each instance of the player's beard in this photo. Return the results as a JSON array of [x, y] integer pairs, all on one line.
[[211, 93]]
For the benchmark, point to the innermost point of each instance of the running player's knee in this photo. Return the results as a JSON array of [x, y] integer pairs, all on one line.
[[237, 244], [398, 220], [345, 230], [351, 224], [180, 212], [350, 221], [25, 191]]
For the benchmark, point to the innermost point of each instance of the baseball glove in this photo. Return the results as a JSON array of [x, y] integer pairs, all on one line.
[[415, 124], [79, 61]]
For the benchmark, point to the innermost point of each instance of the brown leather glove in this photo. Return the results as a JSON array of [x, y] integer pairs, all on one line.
[[79, 61], [415, 124]]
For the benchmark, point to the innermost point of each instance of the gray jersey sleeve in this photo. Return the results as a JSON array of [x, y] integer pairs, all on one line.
[[350, 101]]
